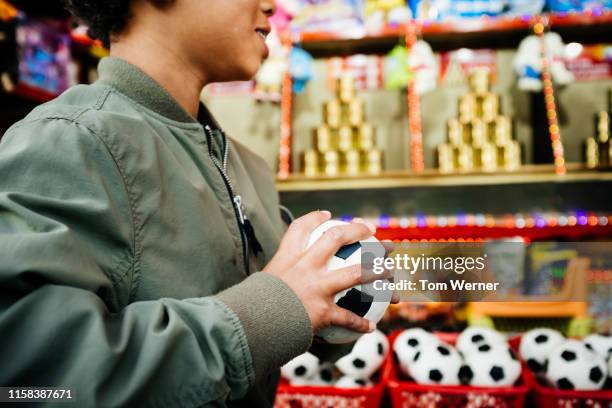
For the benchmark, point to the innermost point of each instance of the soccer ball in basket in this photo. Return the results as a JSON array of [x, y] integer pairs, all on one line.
[[366, 357], [537, 344], [436, 364], [572, 366], [492, 365]]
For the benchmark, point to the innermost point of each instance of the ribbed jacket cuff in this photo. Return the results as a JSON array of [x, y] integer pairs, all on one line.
[[274, 320]]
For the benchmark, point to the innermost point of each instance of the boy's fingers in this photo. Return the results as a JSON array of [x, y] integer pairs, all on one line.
[[344, 318], [389, 246], [297, 234], [335, 238]]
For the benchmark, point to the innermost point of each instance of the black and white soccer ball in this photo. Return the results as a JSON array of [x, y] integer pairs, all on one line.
[[608, 383], [600, 344], [301, 370], [491, 365], [350, 382], [536, 345], [407, 343], [469, 339], [355, 299], [366, 357], [436, 364], [572, 366], [326, 375]]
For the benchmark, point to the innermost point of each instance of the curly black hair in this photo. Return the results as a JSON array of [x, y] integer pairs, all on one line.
[[105, 18]]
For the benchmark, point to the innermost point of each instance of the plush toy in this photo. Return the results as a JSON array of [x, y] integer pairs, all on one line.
[[341, 16], [441, 10], [397, 73], [421, 63], [565, 6], [269, 78], [524, 7], [528, 62], [301, 68], [380, 13], [285, 11]]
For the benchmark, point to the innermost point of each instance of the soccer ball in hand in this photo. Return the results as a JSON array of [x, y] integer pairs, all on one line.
[[360, 299]]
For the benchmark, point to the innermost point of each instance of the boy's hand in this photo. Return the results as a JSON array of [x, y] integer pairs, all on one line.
[[305, 270]]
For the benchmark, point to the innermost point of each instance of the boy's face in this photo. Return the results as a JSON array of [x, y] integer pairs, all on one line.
[[223, 37]]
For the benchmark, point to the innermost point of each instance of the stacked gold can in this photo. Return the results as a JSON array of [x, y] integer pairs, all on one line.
[[345, 144], [480, 138], [598, 149]]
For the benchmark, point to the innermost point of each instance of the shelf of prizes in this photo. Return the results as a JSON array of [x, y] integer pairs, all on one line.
[[443, 34], [480, 138]]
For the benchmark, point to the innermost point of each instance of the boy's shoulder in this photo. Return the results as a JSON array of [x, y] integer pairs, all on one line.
[[70, 105], [82, 120], [94, 109]]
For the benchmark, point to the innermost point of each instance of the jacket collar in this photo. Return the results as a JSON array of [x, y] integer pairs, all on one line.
[[140, 87]]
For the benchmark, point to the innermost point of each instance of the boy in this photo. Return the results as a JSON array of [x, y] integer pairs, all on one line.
[[143, 259]]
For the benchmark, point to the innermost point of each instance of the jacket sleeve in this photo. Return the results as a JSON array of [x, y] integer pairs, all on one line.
[[67, 255]]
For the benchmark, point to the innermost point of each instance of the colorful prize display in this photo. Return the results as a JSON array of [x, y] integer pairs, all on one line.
[[437, 121]]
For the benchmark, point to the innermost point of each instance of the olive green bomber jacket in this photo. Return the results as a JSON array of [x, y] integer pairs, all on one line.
[[122, 258]]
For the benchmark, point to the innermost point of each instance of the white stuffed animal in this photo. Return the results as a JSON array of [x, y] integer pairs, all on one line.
[[269, 78], [528, 62], [423, 63]]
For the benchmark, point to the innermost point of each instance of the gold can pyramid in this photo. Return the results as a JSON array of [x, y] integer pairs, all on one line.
[[598, 149], [480, 138], [345, 144]]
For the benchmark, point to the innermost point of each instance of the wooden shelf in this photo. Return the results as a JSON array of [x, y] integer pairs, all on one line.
[[484, 32], [492, 32], [432, 178]]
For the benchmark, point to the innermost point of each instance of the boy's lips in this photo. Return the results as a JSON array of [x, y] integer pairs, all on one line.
[[262, 33]]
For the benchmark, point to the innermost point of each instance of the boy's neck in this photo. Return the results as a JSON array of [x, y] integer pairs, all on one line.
[[168, 68]]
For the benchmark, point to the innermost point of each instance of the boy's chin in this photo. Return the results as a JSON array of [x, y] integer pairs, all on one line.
[[240, 73], [250, 69]]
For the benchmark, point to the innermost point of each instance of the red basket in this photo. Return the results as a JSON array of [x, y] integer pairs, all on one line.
[[412, 395], [288, 396], [547, 397]]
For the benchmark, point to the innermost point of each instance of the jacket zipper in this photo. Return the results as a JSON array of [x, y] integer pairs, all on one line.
[[237, 205]]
